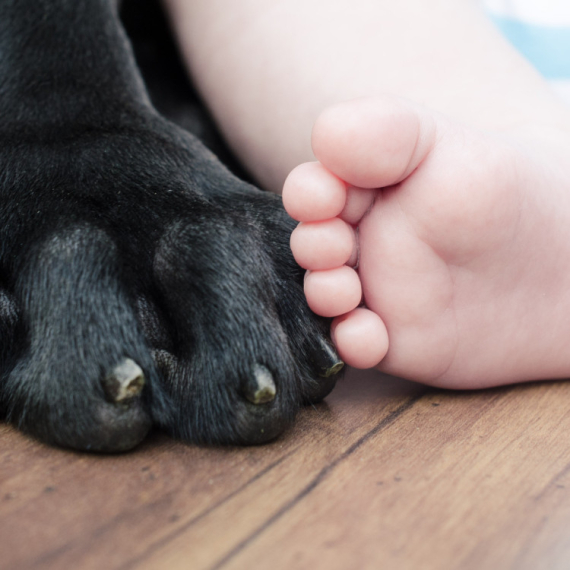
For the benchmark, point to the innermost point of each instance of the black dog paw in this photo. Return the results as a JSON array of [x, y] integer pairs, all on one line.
[[145, 284], [140, 282]]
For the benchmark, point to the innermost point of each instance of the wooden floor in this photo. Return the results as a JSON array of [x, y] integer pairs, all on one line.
[[387, 474]]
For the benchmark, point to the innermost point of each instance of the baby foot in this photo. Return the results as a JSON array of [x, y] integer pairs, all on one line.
[[452, 243]]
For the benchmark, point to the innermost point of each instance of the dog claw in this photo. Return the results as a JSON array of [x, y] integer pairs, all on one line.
[[260, 388], [125, 381], [328, 360]]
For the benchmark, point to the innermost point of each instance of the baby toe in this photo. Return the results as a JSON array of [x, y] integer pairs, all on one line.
[[358, 203], [333, 292], [361, 338], [323, 245], [312, 193]]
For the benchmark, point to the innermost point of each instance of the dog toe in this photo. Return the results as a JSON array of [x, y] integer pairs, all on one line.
[[84, 375]]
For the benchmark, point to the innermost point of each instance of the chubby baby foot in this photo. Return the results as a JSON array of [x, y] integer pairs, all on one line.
[[451, 242]]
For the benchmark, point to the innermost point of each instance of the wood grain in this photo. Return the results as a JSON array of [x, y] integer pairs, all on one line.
[[386, 474]]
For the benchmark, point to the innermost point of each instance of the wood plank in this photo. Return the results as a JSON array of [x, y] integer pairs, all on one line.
[[62, 509], [470, 481], [386, 474]]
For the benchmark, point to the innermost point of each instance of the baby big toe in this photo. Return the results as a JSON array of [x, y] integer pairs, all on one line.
[[373, 142]]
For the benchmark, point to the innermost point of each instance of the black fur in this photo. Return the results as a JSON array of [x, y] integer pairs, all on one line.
[[121, 236]]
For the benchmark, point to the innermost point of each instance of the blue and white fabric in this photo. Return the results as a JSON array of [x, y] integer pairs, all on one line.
[[540, 30]]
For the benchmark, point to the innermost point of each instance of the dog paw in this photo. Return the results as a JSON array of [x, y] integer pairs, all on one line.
[[141, 284]]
